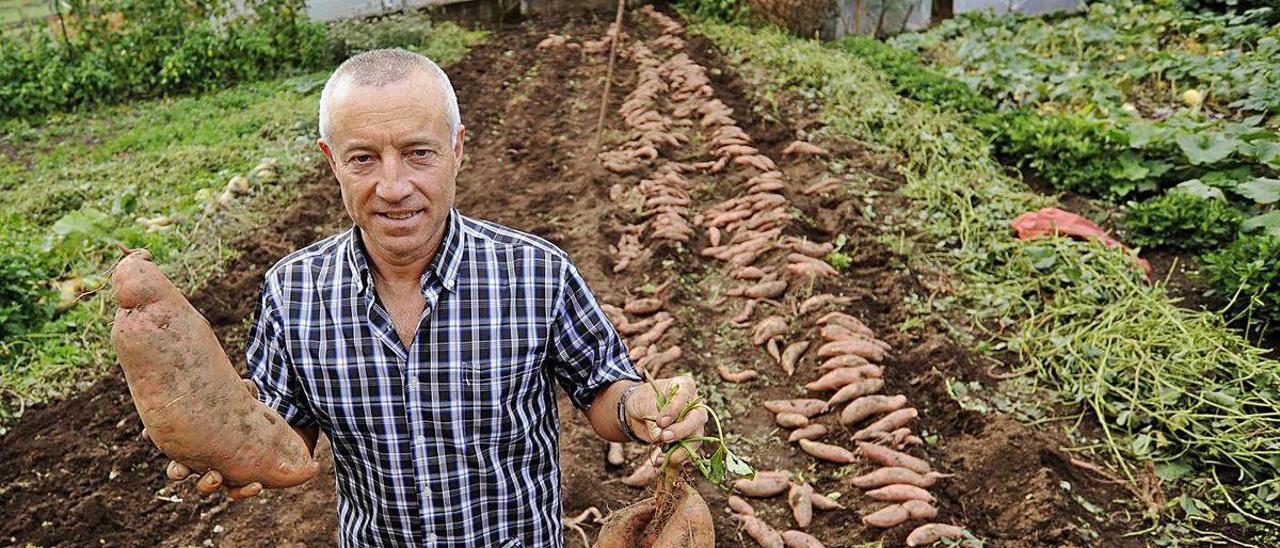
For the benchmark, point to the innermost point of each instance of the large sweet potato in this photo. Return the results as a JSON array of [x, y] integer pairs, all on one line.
[[677, 518], [194, 406]]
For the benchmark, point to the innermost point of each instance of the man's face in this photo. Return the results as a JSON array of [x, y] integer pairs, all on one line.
[[390, 149]]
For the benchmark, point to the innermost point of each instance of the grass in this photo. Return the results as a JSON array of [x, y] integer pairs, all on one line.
[[1167, 384], [13, 11], [73, 186]]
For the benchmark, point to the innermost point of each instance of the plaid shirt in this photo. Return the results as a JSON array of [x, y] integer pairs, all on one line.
[[454, 440]]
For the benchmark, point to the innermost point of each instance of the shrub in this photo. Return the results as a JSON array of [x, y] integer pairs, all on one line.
[[26, 299], [911, 79], [152, 48], [1182, 221], [1247, 272]]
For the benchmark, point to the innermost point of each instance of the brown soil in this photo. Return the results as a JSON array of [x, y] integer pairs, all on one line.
[[78, 474]]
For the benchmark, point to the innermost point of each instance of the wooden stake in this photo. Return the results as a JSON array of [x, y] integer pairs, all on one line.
[[608, 76]]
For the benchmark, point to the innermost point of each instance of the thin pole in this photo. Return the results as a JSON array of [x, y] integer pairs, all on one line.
[[608, 77]]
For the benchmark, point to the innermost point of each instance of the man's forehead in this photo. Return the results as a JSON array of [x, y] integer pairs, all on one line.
[[408, 103]]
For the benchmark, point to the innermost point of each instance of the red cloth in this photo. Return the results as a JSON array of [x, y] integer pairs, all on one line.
[[1052, 221]]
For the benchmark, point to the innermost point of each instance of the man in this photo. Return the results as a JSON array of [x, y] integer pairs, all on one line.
[[423, 342]]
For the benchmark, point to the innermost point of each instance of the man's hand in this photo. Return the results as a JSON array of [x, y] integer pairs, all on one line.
[[676, 420]]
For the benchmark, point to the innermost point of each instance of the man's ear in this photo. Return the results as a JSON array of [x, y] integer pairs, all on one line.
[[458, 142], [328, 154]]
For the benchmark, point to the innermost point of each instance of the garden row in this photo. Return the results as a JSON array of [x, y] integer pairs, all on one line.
[[1185, 405]]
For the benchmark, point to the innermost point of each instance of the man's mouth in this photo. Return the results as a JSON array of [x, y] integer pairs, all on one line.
[[401, 215]]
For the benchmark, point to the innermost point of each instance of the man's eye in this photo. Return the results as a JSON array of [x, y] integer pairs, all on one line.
[[362, 158], [421, 153]]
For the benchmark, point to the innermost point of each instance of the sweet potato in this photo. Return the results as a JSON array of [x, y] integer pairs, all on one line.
[[740, 506], [899, 492], [654, 362], [827, 452], [856, 390], [791, 355], [771, 347], [930, 533], [809, 432], [614, 455], [801, 148], [889, 457], [765, 484], [798, 498], [808, 407], [766, 290], [817, 302], [643, 307], [919, 509], [822, 502], [889, 516], [191, 401], [791, 420], [800, 539], [811, 268], [768, 328], [678, 518], [857, 347], [852, 361], [895, 475], [736, 376], [761, 532], [644, 474], [836, 378], [867, 406], [654, 333], [888, 423], [850, 322]]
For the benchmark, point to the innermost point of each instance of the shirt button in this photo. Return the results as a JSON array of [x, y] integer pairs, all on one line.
[[420, 440], [431, 537], [413, 385]]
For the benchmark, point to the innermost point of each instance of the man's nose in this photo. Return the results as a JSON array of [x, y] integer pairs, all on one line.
[[394, 185]]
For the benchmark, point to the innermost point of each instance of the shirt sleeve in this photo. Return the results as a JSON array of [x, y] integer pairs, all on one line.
[[587, 351], [269, 366]]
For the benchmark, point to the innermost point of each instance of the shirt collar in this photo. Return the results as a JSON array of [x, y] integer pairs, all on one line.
[[444, 266]]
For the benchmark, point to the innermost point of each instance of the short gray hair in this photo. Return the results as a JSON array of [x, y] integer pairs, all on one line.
[[381, 67]]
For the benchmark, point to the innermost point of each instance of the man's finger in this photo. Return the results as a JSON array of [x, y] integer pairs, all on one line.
[[146, 435], [680, 455], [177, 472], [210, 483], [693, 422], [245, 491], [683, 396], [251, 386]]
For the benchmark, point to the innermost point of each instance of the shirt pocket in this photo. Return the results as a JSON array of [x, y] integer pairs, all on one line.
[[504, 394]]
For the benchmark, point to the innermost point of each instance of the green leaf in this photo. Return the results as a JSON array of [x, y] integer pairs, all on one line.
[[1169, 471], [1206, 148], [1268, 222], [1196, 188], [1132, 168], [1267, 152], [1261, 190], [738, 467], [1141, 134]]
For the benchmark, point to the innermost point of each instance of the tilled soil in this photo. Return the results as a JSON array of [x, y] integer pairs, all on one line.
[[78, 473]]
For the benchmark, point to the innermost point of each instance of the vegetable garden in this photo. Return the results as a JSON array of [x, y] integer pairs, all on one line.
[[820, 232]]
